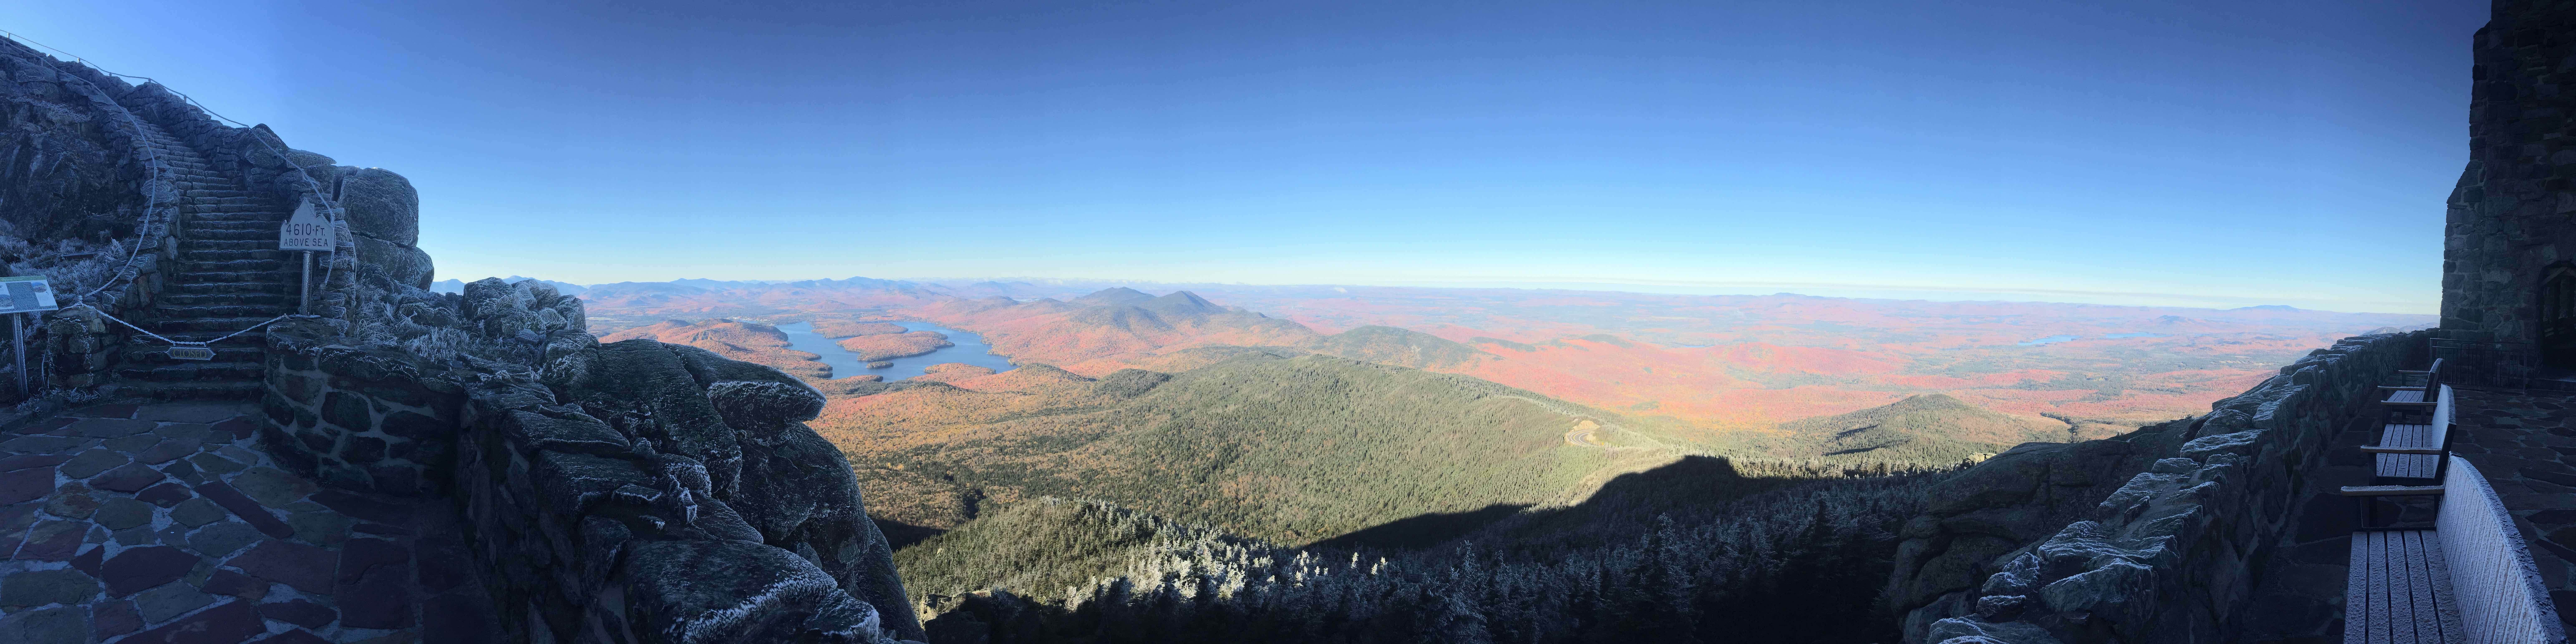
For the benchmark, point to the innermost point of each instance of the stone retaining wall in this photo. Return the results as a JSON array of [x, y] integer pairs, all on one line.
[[376, 420], [2166, 557]]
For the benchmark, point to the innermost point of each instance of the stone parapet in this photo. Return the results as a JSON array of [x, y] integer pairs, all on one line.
[[366, 419], [2166, 557]]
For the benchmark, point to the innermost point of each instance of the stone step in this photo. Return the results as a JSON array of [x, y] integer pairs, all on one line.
[[212, 288], [215, 193], [167, 311], [195, 224], [197, 257], [228, 300], [194, 265], [150, 352], [220, 325], [200, 245], [242, 277], [278, 301], [256, 338], [236, 213], [233, 234], [195, 390], [192, 371]]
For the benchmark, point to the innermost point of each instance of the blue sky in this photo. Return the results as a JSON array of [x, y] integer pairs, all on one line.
[[2177, 153]]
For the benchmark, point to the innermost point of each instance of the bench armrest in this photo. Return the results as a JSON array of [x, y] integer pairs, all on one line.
[[2391, 490], [2375, 449]]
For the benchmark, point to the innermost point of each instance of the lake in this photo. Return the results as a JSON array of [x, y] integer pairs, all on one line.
[[970, 349]]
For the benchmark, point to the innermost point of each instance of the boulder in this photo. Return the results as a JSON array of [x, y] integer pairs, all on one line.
[[2020, 496], [380, 204], [731, 591], [400, 264]]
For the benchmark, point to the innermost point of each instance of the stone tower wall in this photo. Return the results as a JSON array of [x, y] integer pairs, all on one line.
[[2509, 219]]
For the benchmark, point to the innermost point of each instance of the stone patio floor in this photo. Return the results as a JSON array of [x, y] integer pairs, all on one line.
[[2522, 441], [167, 523]]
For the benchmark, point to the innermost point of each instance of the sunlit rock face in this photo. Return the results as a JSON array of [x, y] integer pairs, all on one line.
[[2509, 249]]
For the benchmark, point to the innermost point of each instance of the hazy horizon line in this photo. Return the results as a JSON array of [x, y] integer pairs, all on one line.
[[1596, 284]]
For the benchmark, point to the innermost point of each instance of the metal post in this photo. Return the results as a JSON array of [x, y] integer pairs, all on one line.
[[18, 341], [304, 286]]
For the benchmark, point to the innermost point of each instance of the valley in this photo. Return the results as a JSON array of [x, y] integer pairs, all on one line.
[[1077, 447]]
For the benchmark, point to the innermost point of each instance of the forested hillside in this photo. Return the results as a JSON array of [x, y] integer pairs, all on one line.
[[1292, 450]]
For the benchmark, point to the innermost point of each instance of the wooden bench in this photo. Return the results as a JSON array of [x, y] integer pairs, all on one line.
[[2469, 579], [2411, 395], [2409, 450]]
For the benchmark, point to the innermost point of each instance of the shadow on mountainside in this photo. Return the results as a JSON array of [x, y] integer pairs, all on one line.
[[1700, 548], [899, 534], [1423, 530]]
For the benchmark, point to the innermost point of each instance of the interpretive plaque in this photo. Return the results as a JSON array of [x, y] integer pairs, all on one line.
[[26, 295]]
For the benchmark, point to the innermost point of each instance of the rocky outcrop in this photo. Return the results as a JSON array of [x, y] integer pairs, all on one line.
[[2165, 554], [625, 464], [2013, 499], [68, 162]]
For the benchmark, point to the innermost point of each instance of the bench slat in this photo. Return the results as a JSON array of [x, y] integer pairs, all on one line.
[[2391, 490], [2446, 613], [2406, 397], [2356, 591], [2402, 434], [2402, 586], [2410, 466], [2377, 577], [2427, 588]]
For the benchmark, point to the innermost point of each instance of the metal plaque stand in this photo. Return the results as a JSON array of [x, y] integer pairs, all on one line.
[[304, 286], [18, 342]]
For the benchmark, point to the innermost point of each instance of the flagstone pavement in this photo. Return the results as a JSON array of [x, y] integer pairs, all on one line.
[[165, 523]]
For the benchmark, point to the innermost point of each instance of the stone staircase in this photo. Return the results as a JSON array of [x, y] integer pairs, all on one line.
[[227, 276]]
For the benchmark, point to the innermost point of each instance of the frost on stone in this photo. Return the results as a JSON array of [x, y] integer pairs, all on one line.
[[1966, 630], [2244, 442]]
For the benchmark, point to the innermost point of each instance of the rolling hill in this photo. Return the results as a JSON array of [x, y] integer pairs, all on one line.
[[745, 341], [1295, 449], [1922, 428]]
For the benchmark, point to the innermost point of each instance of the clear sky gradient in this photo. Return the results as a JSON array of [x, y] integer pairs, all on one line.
[[2156, 152]]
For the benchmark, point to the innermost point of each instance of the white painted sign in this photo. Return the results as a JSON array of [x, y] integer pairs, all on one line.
[[192, 353], [305, 230], [26, 294]]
